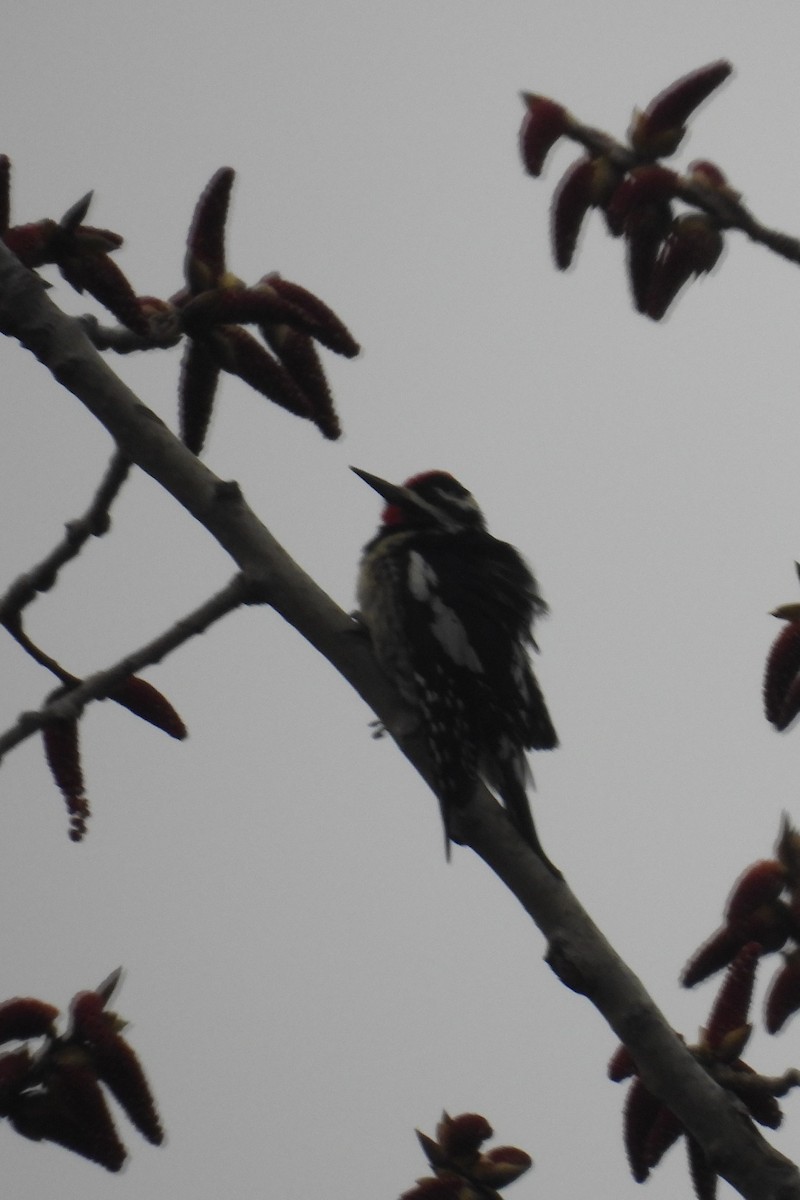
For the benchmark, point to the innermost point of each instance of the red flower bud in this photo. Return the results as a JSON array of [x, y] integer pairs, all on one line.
[[712, 956], [320, 320], [783, 997], [645, 231], [732, 1005], [692, 248], [642, 1109], [72, 1113], [572, 199], [240, 354], [62, 751], [205, 250], [462, 1136], [14, 1068], [101, 277], [704, 1177], [643, 187], [787, 849], [120, 1070], [707, 174], [25, 1017], [501, 1166], [141, 698], [781, 699], [664, 1132], [32, 243], [5, 193], [660, 128], [542, 126], [197, 389], [759, 884]]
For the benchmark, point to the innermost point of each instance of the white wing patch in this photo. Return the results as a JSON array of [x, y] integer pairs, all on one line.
[[445, 624]]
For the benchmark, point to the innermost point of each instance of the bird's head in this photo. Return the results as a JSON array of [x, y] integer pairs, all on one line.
[[432, 499]]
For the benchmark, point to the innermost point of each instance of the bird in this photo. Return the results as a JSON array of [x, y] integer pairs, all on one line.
[[449, 610]]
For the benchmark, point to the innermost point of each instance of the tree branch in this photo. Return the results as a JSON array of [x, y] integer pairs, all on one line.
[[578, 952], [94, 523], [69, 705]]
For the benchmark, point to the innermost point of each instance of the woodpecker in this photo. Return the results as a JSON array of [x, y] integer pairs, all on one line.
[[449, 610]]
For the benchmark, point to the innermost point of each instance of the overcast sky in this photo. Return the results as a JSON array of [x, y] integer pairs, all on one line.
[[306, 978]]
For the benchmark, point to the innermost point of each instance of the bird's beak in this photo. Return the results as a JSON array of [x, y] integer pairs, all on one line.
[[391, 493], [403, 497]]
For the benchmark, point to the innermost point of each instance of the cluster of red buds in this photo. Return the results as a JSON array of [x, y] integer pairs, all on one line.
[[762, 908], [650, 1127], [461, 1170], [62, 744], [81, 253], [210, 310], [56, 1092], [636, 194], [782, 673]]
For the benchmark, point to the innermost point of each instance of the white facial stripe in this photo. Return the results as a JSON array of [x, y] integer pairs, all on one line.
[[467, 502]]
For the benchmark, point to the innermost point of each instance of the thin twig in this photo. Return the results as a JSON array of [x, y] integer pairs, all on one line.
[[165, 332], [584, 957], [94, 523], [69, 705]]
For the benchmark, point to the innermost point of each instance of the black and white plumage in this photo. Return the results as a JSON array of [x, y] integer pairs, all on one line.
[[449, 609]]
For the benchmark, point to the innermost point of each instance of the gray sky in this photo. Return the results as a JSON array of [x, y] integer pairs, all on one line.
[[306, 978]]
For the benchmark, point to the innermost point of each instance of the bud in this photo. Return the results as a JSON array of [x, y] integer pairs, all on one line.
[[462, 1137], [5, 193], [197, 389], [100, 276], [543, 124], [692, 248], [236, 351], [644, 186], [781, 700], [664, 1132], [711, 957], [642, 1109], [62, 751], [659, 130], [501, 1166], [25, 1017], [759, 884], [587, 183], [320, 321], [147, 702], [645, 231], [204, 265], [783, 997]]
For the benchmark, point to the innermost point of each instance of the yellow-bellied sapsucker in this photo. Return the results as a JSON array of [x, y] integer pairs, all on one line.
[[449, 610]]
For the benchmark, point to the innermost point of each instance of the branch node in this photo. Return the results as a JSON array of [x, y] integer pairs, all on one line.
[[227, 491], [560, 961]]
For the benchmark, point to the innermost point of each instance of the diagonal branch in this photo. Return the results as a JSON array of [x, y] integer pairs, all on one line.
[[578, 952], [70, 704]]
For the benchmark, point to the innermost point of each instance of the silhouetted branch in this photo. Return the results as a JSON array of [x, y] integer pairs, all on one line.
[[94, 523], [577, 952], [70, 704]]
